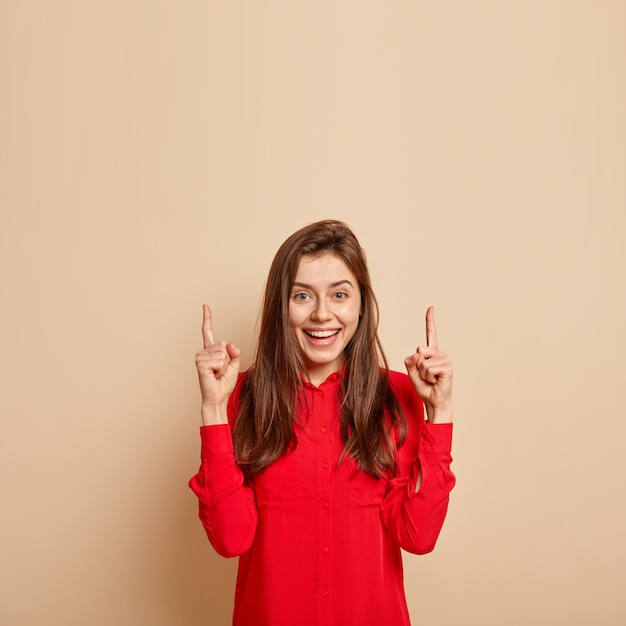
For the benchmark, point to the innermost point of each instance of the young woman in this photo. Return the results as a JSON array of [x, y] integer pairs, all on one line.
[[318, 465]]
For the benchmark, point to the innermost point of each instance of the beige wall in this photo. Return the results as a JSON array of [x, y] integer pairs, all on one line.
[[153, 154]]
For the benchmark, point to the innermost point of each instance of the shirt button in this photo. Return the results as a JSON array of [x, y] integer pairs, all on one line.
[[325, 593], [325, 549], [323, 429], [326, 505], [324, 465]]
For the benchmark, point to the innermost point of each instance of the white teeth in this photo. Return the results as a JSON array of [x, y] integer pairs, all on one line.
[[321, 334]]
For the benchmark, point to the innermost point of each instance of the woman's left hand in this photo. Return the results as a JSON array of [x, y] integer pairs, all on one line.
[[430, 370]]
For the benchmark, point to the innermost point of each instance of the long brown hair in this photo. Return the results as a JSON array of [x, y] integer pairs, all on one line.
[[269, 396]]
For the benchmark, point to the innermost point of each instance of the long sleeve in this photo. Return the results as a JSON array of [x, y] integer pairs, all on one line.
[[227, 505], [415, 519]]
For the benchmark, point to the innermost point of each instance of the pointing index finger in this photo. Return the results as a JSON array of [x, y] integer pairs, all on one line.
[[207, 326], [431, 329]]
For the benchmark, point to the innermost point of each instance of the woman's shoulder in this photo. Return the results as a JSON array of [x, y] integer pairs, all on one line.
[[235, 397], [400, 381], [242, 377], [403, 389]]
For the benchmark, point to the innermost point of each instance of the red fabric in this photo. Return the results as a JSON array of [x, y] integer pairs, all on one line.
[[319, 543]]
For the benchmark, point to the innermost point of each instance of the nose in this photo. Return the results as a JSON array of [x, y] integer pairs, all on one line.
[[321, 312]]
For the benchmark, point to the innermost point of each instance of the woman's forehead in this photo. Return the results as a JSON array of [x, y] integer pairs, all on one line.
[[327, 267]]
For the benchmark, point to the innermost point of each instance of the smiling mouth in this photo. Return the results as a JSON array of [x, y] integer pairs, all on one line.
[[321, 334]]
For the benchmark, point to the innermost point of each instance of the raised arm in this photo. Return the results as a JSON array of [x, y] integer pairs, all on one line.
[[227, 505], [417, 500]]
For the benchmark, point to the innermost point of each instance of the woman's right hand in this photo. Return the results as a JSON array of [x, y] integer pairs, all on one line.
[[218, 368]]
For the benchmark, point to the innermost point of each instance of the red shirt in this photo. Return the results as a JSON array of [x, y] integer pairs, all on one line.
[[319, 543]]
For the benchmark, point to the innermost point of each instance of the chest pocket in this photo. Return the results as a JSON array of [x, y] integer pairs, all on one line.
[[279, 485], [365, 490]]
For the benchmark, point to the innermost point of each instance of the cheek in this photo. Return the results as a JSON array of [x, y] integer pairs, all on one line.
[[295, 316], [292, 321], [353, 322]]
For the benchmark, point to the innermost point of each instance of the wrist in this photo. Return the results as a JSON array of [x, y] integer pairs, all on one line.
[[213, 415], [439, 415]]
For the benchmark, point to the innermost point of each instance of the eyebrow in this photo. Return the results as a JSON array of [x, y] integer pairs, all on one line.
[[335, 284]]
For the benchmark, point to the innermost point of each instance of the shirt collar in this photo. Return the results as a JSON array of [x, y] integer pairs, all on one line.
[[336, 376]]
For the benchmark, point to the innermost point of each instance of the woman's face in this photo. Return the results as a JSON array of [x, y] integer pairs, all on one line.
[[324, 309]]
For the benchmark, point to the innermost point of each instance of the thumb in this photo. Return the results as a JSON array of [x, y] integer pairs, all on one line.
[[409, 362], [234, 353]]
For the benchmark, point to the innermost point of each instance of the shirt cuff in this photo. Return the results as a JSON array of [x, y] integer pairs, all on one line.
[[217, 439], [435, 438]]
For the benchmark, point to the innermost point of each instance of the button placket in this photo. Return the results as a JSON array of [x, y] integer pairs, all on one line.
[[325, 493]]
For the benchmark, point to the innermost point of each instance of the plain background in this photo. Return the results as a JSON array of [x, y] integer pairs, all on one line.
[[155, 153]]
